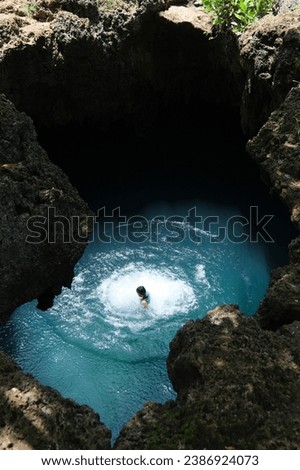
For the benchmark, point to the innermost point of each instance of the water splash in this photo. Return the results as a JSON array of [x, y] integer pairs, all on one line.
[[100, 347], [121, 306]]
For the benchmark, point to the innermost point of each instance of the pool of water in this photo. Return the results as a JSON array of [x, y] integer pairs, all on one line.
[[97, 344]]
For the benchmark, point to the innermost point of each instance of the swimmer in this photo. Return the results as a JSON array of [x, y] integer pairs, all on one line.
[[144, 296]]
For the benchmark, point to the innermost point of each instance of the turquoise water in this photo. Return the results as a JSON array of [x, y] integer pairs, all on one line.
[[97, 345]]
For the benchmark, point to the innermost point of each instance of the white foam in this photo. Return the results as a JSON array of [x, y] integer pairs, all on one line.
[[169, 295], [200, 275]]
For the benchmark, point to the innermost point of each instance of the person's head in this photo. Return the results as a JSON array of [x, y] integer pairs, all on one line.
[[141, 291]]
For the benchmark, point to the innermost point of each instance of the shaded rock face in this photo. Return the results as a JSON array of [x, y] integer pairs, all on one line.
[[176, 59], [77, 62], [235, 379], [236, 388], [270, 58], [61, 62], [282, 6], [69, 61], [44, 223], [37, 417], [277, 152]]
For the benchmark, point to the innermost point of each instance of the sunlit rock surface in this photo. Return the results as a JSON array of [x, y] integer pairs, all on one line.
[[236, 388], [37, 417], [236, 381]]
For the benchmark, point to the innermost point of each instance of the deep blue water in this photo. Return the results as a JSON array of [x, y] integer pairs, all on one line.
[[96, 344]]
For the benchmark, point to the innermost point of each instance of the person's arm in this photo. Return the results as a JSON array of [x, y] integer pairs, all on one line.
[[144, 303]]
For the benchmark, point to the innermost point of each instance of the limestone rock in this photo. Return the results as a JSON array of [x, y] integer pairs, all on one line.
[[276, 149], [269, 54], [90, 63], [60, 59], [35, 262], [237, 383], [37, 417], [236, 389]]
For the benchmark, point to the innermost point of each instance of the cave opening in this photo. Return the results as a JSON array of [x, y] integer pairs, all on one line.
[[173, 142], [114, 354], [194, 150], [184, 150]]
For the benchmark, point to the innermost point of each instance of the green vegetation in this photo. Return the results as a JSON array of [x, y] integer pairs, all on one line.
[[109, 4], [30, 8], [236, 14]]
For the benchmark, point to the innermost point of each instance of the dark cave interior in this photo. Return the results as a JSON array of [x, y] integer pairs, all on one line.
[[190, 151]]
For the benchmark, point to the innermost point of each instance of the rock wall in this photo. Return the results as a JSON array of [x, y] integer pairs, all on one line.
[[236, 388], [277, 152], [37, 417], [236, 381], [44, 222], [270, 57], [270, 114], [61, 61], [78, 62], [222, 367]]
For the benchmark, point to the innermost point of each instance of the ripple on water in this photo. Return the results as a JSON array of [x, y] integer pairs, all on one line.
[[100, 347]]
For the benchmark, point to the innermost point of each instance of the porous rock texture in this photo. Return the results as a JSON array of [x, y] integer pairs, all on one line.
[[236, 388], [44, 222], [37, 417], [276, 150], [236, 377], [96, 62], [269, 51]]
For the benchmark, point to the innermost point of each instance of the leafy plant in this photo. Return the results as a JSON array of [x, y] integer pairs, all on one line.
[[108, 4], [236, 14], [30, 8]]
